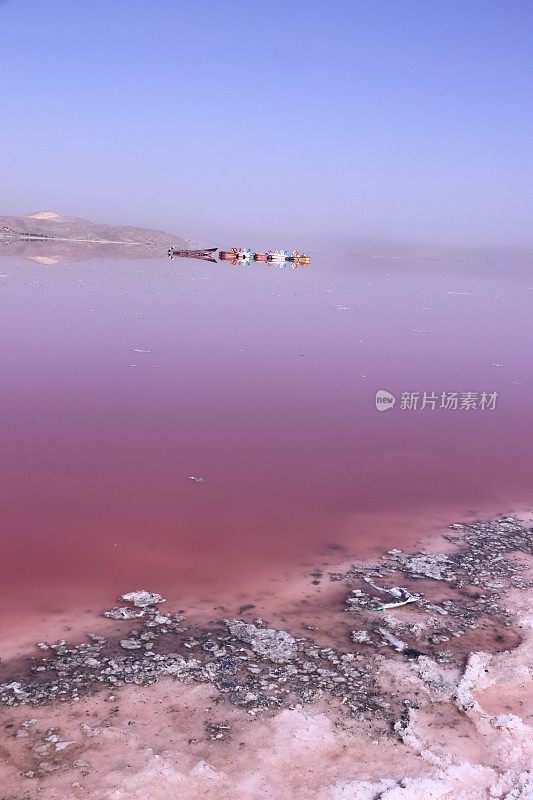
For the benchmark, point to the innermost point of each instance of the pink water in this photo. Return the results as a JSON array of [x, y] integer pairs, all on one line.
[[262, 382]]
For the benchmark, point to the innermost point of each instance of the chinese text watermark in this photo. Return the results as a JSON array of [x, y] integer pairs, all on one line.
[[437, 401]]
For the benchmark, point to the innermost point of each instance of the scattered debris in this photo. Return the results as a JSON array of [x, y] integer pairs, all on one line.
[[385, 606], [361, 637], [257, 667], [123, 613], [53, 738], [482, 560], [402, 595], [398, 645], [130, 644], [217, 730], [431, 566]]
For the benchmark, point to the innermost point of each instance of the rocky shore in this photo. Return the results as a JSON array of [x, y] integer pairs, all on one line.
[[402, 659]]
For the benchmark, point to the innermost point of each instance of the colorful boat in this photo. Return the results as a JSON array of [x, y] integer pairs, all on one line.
[[237, 255], [278, 256], [299, 258]]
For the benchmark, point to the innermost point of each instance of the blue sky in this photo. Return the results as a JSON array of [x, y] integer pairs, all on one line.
[[385, 118]]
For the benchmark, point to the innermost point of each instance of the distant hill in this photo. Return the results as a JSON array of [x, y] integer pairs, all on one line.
[[47, 226]]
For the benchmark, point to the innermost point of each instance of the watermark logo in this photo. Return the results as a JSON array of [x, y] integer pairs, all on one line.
[[384, 400], [437, 401]]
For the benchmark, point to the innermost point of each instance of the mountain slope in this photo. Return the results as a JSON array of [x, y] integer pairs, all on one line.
[[49, 225]]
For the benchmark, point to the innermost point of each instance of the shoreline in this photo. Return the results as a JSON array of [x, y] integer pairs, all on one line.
[[324, 662], [361, 538], [45, 239]]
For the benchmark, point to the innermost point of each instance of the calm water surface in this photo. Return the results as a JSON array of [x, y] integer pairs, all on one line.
[[121, 379]]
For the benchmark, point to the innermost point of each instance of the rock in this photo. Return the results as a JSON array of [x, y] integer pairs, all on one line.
[[123, 613], [130, 644], [16, 688], [217, 730], [62, 745], [474, 677], [361, 637], [89, 730], [432, 566], [142, 598], [161, 619], [56, 741], [278, 646], [411, 652], [393, 641]]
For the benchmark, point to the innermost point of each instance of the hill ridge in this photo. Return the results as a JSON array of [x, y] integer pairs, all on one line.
[[50, 226]]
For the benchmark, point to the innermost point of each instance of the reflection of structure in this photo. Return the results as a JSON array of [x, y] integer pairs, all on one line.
[[204, 255], [243, 256], [236, 255], [278, 256], [300, 259]]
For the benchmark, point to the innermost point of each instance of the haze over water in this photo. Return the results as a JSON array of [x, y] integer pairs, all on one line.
[[122, 379]]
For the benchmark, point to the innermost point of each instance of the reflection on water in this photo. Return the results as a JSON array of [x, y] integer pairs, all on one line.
[[244, 256], [121, 379], [50, 252]]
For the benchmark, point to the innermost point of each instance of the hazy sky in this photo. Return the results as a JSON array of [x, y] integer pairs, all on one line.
[[230, 118]]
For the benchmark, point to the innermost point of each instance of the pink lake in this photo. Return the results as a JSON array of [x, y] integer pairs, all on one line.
[[121, 379]]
